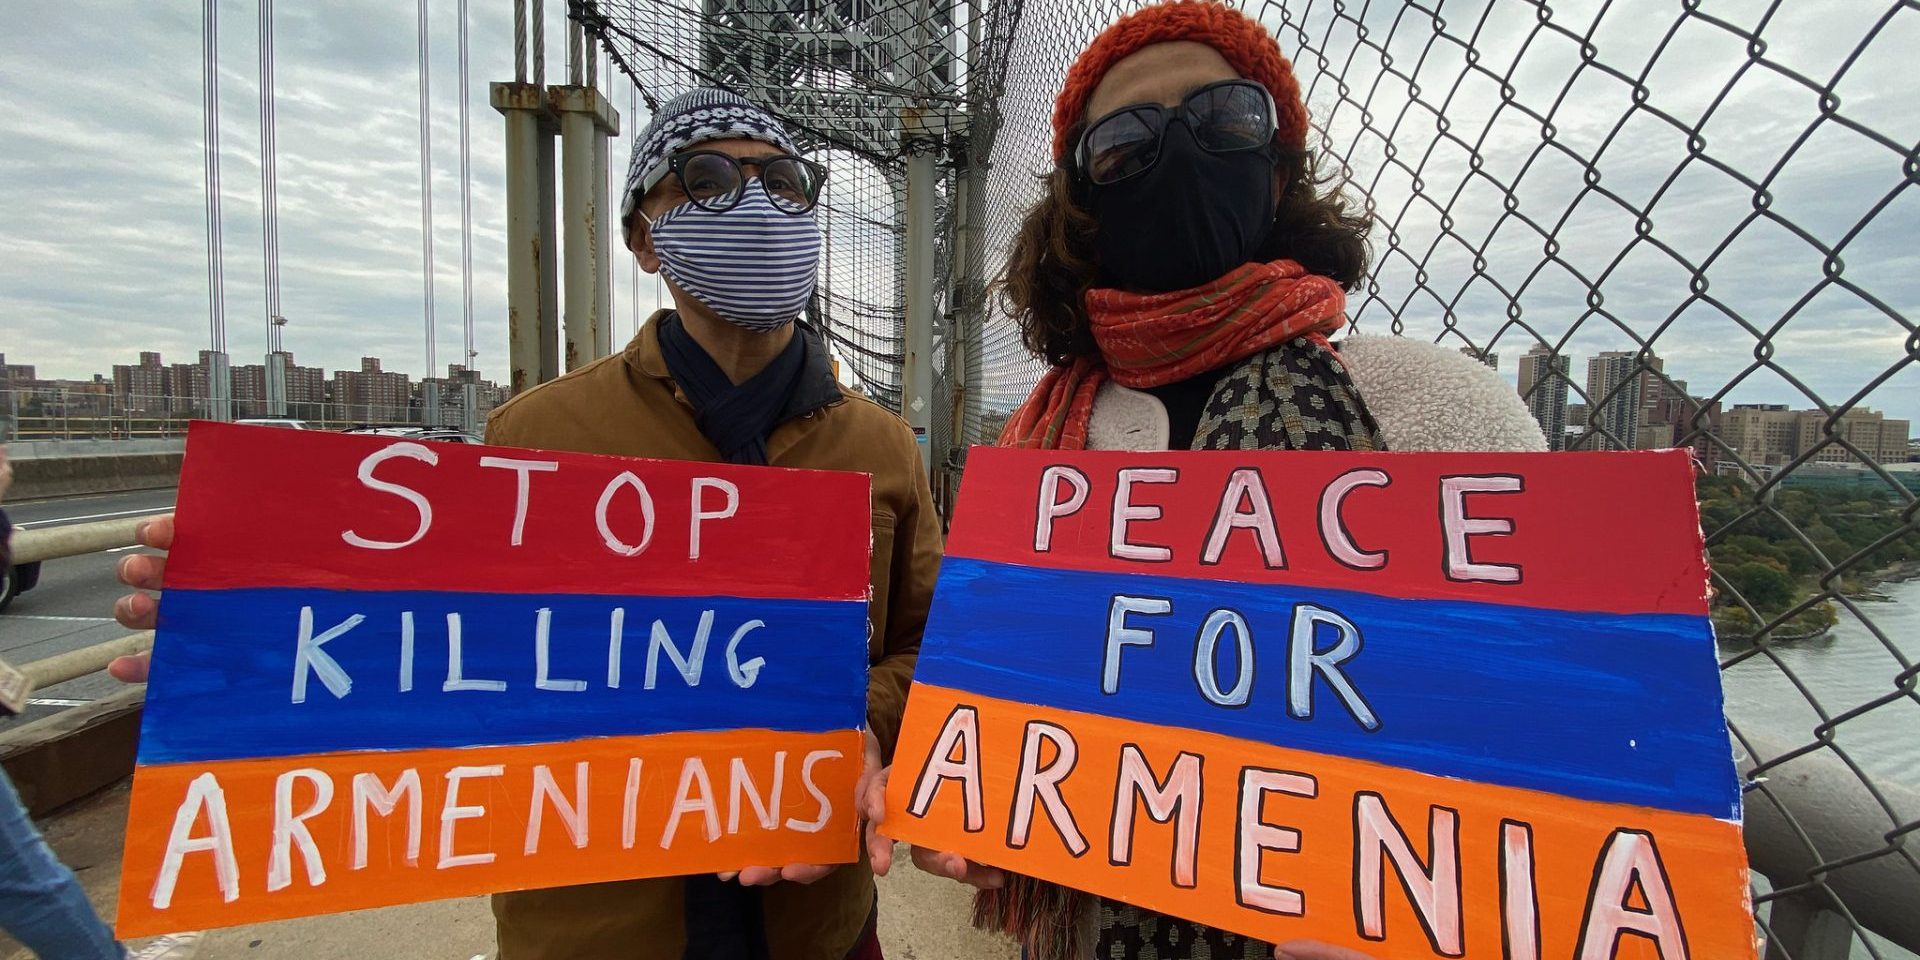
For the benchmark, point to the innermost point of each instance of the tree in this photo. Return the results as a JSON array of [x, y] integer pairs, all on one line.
[[1768, 588]]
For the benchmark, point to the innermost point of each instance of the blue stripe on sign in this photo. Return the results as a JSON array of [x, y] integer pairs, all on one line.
[[223, 673], [1621, 708]]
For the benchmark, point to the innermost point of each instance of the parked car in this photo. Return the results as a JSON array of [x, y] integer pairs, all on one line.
[[18, 578], [411, 432], [286, 422]]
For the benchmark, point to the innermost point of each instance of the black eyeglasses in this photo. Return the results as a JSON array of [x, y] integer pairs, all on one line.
[[1224, 117], [717, 181]]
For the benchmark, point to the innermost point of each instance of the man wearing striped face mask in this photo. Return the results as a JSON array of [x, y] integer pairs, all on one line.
[[718, 202]]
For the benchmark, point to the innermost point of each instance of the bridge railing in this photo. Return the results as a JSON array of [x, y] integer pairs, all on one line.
[[76, 540], [95, 412]]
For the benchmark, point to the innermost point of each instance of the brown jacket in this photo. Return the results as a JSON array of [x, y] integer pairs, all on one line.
[[627, 405]]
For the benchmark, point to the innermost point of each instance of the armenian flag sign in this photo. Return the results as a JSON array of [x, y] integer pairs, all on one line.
[[1454, 705], [390, 671]]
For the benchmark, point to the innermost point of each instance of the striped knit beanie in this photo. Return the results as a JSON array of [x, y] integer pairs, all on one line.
[[691, 118], [1248, 47]]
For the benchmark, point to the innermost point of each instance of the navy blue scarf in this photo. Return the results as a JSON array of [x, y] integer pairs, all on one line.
[[737, 418]]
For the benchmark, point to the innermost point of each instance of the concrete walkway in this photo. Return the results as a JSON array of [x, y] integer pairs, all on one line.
[[921, 917]]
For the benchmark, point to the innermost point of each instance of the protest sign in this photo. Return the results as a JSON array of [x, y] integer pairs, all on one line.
[[1457, 705], [389, 671]]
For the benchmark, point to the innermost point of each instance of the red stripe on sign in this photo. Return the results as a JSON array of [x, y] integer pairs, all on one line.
[[261, 506], [1612, 532]]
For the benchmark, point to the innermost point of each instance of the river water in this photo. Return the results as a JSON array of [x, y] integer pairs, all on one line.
[[1843, 670]]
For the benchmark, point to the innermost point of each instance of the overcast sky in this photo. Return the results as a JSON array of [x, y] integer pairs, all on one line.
[[1837, 343], [101, 181], [101, 177]]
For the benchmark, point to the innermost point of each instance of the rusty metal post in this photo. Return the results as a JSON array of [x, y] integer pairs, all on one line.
[[586, 119], [606, 248], [532, 322]]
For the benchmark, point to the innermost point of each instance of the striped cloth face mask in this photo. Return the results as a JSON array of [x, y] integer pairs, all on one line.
[[753, 265]]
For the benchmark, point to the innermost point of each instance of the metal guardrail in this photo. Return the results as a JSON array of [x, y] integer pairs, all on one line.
[[1814, 802], [75, 539], [56, 543], [74, 664]]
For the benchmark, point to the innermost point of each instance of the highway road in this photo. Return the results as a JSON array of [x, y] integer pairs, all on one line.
[[72, 606]]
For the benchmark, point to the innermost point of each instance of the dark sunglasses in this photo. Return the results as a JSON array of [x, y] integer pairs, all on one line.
[[717, 181], [1224, 117]]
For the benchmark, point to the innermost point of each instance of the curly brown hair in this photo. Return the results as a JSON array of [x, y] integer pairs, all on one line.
[[1051, 265]]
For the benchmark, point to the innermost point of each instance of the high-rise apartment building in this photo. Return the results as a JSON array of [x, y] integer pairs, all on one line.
[[1543, 386], [1617, 388]]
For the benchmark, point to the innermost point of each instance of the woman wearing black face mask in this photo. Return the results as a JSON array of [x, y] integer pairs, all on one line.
[[1187, 264], [1182, 275]]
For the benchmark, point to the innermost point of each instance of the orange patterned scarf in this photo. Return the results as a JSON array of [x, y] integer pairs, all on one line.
[[1147, 340]]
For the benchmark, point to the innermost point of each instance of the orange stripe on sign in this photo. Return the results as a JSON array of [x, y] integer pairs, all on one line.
[[1278, 844], [217, 844]]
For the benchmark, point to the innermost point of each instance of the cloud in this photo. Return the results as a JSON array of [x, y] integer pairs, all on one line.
[[107, 249], [102, 175], [1736, 299]]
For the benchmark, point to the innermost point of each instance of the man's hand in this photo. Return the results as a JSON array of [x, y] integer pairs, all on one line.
[[6, 472], [809, 872], [1315, 950], [873, 806], [139, 610]]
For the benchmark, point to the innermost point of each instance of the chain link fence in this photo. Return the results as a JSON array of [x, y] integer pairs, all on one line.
[[1668, 222]]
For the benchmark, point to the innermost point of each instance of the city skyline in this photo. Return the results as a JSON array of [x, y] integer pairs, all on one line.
[[1630, 401], [153, 387]]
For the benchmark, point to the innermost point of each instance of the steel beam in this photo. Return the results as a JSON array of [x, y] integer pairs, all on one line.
[[586, 119], [532, 322], [604, 245], [430, 403], [277, 384], [916, 375]]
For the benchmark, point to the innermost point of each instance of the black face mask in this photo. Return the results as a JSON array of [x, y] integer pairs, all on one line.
[[1189, 219]]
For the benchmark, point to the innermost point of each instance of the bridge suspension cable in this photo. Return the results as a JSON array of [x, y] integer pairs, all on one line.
[[269, 180], [210, 138], [466, 203], [426, 187]]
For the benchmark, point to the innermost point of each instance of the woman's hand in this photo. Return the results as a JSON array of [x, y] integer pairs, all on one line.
[[873, 806], [139, 610], [6, 472]]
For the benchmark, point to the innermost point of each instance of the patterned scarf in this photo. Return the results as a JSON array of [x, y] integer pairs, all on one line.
[[1285, 389], [1147, 340]]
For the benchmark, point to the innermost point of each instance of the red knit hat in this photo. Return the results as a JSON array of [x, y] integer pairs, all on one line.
[[1247, 45]]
